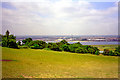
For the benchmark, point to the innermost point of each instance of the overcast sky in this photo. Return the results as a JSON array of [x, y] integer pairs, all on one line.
[[60, 17]]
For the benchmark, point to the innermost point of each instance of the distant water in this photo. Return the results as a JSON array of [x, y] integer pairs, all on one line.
[[98, 43], [93, 43]]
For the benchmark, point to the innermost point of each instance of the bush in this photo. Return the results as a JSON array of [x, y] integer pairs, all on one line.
[[74, 46], [9, 40], [79, 50], [117, 49], [117, 53], [65, 47], [12, 43], [111, 53], [41, 44], [47, 49], [35, 46], [23, 47], [19, 43], [27, 41], [62, 43], [106, 52], [97, 53], [53, 46], [91, 50]]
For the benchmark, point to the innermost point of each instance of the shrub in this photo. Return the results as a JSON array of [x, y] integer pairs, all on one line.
[[64, 42], [117, 49], [111, 53], [116, 54], [91, 50], [79, 50], [97, 53], [41, 44], [35, 46], [74, 46], [9, 40], [12, 43], [23, 47], [27, 41], [19, 43], [106, 52], [47, 49], [65, 47], [53, 46]]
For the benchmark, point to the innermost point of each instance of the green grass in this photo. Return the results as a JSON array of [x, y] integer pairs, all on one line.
[[102, 47], [31, 63]]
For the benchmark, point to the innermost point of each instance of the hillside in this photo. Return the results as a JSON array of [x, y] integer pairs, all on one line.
[[36, 63]]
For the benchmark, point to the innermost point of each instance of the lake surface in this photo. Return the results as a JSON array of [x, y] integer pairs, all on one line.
[[93, 43], [98, 43]]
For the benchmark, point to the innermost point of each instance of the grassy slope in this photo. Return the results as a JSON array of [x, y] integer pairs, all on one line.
[[50, 64], [102, 47]]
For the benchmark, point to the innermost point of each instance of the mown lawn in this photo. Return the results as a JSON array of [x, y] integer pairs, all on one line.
[[31, 63]]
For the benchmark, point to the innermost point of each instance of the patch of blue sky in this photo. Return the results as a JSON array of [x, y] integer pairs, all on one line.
[[0, 4], [56, 0], [8, 5], [102, 5], [98, 0]]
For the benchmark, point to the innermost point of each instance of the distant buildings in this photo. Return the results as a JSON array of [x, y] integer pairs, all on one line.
[[71, 38]]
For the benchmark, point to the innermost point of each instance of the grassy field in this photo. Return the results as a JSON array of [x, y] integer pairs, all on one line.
[[102, 47], [31, 63]]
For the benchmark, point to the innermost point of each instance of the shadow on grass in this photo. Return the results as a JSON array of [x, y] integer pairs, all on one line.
[[7, 60]]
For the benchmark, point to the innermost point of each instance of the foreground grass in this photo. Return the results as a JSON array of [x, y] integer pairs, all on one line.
[[102, 47], [30, 63]]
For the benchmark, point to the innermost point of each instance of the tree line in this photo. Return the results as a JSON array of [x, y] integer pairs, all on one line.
[[10, 41]]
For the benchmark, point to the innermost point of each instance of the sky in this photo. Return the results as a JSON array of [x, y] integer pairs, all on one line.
[[60, 17]]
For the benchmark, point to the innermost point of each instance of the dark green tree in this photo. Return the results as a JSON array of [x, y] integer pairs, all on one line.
[[79, 50], [27, 41], [35, 46], [91, 50], [74, 46], [42, 44], [65, 47], [12, 37], [53, 46], [7, 33], [64, 42], [9, 40], [12, 43]]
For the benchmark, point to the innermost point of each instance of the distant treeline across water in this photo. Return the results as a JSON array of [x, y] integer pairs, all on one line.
[[52, 38], [93, 43]]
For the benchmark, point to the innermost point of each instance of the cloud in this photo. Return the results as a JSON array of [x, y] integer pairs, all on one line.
[[59, 18]]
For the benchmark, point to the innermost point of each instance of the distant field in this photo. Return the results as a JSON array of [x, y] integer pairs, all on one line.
[[102, 47], [30, 63]]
